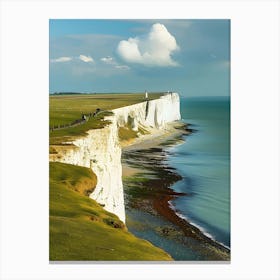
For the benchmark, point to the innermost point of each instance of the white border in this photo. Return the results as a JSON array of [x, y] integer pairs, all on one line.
[[255, 138]]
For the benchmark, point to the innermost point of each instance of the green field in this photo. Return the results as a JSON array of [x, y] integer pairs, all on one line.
[[64, 109], [80, 229]]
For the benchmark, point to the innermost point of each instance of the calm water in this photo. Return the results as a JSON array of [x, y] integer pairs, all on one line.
[[203, 161]]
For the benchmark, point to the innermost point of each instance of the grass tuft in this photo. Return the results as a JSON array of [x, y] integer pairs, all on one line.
[[126, 133]]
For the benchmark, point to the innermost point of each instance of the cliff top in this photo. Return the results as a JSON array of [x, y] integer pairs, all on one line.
[[73, 115], [68, 108]]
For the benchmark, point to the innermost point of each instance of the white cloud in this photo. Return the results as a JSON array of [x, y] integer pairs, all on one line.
[[111, 61], [123, 67], [108, 60], [62, 59], [152, 49], [68, 58], [86, 58]]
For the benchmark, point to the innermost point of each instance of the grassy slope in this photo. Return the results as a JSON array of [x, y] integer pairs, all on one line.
[[66, 108], [68, 134], [80, 229], [126, 133]]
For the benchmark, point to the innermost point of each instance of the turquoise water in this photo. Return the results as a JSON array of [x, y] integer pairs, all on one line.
[[203, 160], [198, 166]]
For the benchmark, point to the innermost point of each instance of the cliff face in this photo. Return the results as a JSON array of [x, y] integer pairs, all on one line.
[[100, 149], [154, 113]]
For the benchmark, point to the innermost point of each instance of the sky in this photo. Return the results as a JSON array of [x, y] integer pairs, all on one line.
[[191, 57]]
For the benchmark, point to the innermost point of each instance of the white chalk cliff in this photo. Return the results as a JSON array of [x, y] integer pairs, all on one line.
[[155, 113], [101, 151]]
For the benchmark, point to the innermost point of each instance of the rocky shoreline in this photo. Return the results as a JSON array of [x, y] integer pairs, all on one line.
[[148, 189]]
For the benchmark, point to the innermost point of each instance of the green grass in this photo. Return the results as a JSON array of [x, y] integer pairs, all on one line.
[[80, 229], [68, 134], [52, 150], [64, 109], [126, 133]]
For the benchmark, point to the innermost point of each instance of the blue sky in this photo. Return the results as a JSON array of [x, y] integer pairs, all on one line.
[[191, 57]]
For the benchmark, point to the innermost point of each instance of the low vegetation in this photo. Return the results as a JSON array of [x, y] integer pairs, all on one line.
[[58, 137], [68, 108], [80, 229], [126, 133]]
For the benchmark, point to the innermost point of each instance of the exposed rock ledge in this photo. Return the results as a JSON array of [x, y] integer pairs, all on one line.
[[101, 151]]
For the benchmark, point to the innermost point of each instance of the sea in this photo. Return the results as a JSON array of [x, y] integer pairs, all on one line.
[[202, 159]]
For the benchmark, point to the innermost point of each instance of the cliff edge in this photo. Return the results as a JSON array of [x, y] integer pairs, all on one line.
[[100, 150]]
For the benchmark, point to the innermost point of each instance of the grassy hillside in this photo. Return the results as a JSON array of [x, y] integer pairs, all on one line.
[[80, 229], [64, 109], [68, 134]]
